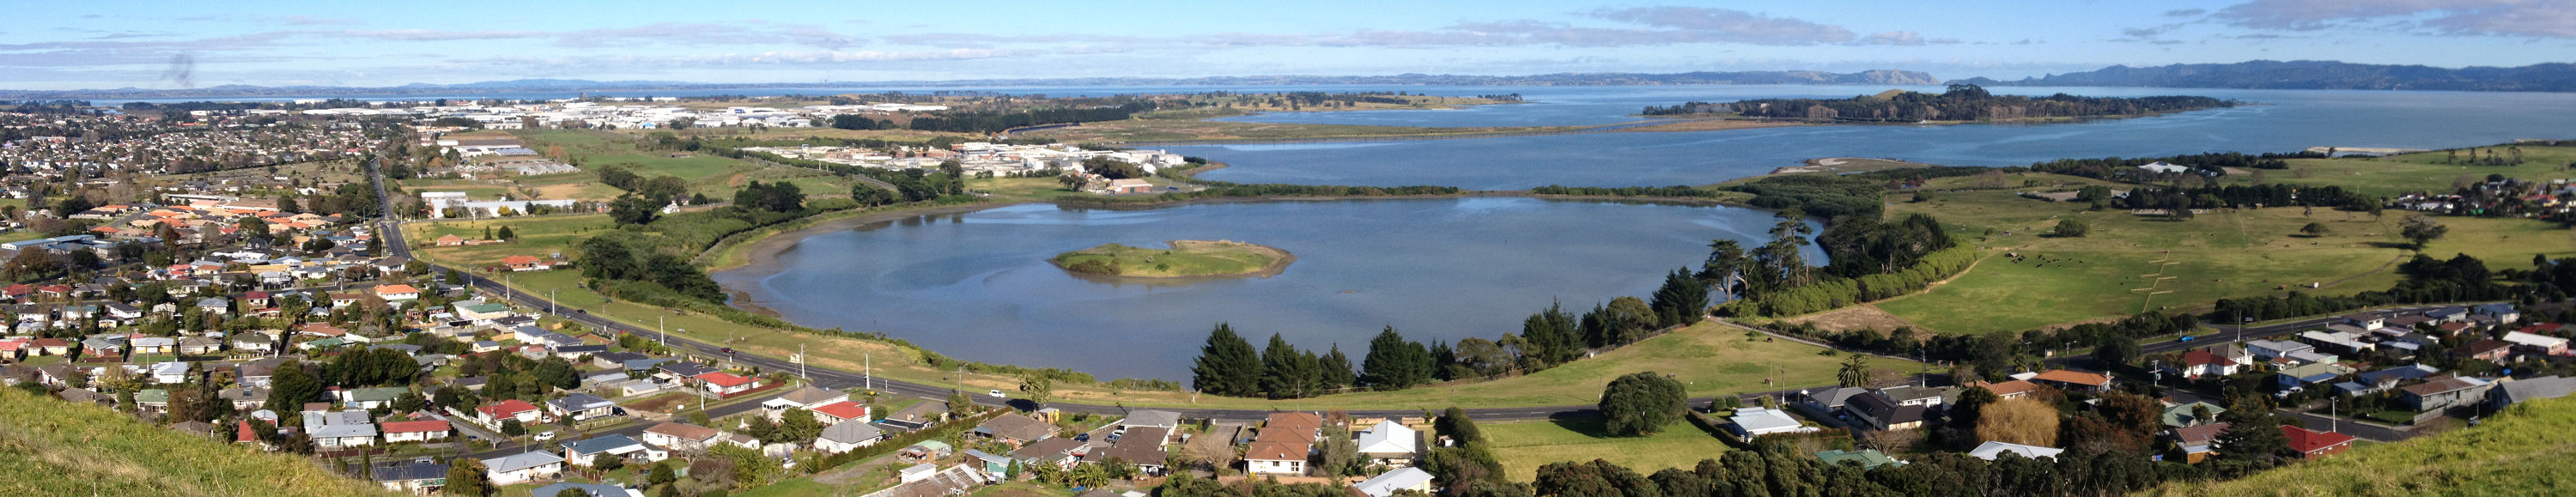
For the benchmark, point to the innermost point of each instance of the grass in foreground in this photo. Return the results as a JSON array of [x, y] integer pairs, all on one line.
[[2221, 254], [2521, 452], [1523, 447], [58, 448]]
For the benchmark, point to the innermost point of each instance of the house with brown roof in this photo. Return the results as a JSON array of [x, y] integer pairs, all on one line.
[[2012, 389], [2489, 350], [2442, 392], [2197, 442], [1015, 430], [2074, 380], [1140, 447], [1283, 443], [1884, 413]]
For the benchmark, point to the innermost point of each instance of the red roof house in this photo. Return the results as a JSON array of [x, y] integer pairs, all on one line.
[[2313, 444]]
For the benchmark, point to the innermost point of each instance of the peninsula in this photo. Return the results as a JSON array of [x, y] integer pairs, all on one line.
[[1961, 103], [1185, 259]]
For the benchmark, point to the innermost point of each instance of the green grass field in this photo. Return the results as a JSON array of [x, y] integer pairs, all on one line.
[[2216, 255], [537, 237], [1186, 258], [58, 448], [1523, 447], [2389, 176], [2522, 451]]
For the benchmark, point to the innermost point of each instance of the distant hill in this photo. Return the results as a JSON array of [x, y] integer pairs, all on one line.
[[2313, 75], [2522, 451], [53, 447], [1872, 77]]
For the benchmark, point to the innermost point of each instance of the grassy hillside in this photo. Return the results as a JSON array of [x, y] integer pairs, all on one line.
[[57, 448], [2521, 452], [2221, 254]]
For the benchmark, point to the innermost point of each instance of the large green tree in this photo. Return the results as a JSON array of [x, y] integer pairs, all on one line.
[[1287, 373], [1641, 403], [1550, 338], [1395, 364], [1227, 365], [1682, 301]]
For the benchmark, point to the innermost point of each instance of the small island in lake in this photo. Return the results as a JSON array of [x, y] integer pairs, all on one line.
[[1961, 103], [1185, 259]]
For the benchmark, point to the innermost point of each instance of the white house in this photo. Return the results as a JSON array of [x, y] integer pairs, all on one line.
[[416, 431], [1393, 481], [1389, 444], [587, 452], [682, 436], [515, 468]]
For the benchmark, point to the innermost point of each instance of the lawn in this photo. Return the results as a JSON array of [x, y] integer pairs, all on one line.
[[2220, 254], [58, 448], [599, 148], [2389, 176], [537, 236], [1523, 447]]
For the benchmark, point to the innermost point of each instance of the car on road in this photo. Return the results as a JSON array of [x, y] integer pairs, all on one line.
[[2187, 338], [729, 351], [996, 393]]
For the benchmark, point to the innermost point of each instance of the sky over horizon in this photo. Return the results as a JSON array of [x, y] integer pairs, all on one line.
[[172, 44]]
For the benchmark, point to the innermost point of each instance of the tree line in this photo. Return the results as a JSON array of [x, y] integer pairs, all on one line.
[[1678, 191], [2428, 280], [1229, 365], [2208, 164]]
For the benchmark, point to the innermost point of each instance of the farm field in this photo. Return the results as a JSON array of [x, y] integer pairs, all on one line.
[[2028, 281], [1523, 447], [2393, 175]]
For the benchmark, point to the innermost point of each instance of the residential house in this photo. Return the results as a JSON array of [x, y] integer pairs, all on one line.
[[2495, 351], [2192, 414], [682, 436], [522, 467], [2383, 380], [2537, 344], [2319, 374], [1063, 453], [153, 345], [397, 292], [1015, 430], [2269, 350], [152, 400], [587, 452], [580, 407], [848, 435], [721, 383], [246, 398], [2448, 314], [920, 415], [1415, 480], [420, 476], [837, 412], [253, 342], [492, 415], [1755, 421], [200, 346], [416, 431], [2365, 321], [170, 373], [1141, 447], [371, 398], [2442, 392], [2509, 392], [2198, 442], [1883, 413], [2312, 444], [1390, 444], [526, 263], [1151, 418], [1282, 445], [2074, 380], [1994, 450], [2503, 313], [342, 435], [1828, 400], [807, 398]]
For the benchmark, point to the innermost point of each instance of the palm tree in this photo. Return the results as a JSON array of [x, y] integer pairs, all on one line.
[[1855, 371]]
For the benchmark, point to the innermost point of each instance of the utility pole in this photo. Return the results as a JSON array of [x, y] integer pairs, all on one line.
[[658, 330], [800, 363], [868, 376], [550, 301]]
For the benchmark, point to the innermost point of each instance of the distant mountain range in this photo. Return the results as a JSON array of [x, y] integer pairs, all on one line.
[[2313, 75], [1872, 77]]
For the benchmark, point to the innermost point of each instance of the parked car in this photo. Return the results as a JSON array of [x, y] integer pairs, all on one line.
[[547, 435]]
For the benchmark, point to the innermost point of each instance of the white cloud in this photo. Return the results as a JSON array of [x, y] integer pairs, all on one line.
[[2526, 18]]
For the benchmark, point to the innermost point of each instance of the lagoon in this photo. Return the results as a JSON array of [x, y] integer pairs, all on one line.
[[978, 285]]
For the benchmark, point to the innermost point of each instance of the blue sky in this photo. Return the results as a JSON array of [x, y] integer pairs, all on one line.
[[147, 44]]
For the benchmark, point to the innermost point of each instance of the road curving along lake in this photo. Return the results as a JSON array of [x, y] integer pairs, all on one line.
[[979, 285]]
